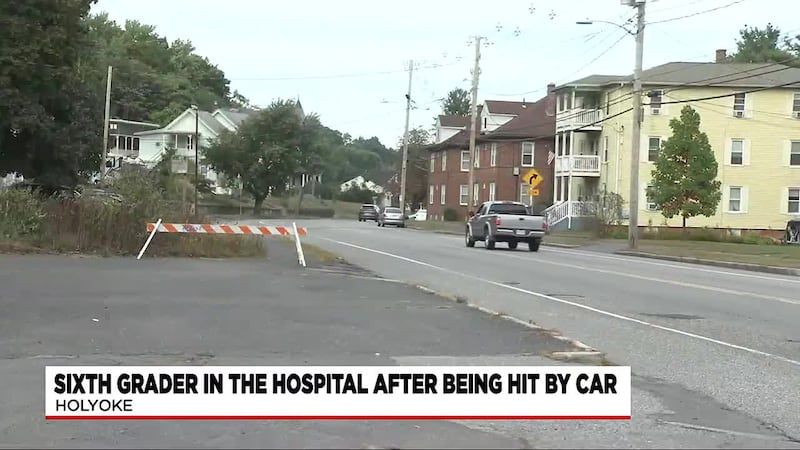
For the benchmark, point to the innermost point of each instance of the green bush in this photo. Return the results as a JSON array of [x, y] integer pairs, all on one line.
[[21, 213], [356, 194], [318, 212], [450, 215]]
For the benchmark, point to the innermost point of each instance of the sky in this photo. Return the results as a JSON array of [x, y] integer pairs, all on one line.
[[347, 60]]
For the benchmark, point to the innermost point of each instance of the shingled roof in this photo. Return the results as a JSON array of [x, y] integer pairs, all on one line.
[[453, 121], [702, 74]]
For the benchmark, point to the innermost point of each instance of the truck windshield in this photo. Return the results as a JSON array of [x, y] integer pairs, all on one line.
[[501, 208]]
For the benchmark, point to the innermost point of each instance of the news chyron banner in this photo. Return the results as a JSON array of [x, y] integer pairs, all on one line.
[[337, 392]]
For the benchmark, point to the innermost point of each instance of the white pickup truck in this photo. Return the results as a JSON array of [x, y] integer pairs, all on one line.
[[508, 222]]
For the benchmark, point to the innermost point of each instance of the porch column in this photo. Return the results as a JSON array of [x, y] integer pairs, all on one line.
[[569, 189], [555, 174]]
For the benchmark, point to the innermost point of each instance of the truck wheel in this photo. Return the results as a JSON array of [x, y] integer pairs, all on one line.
[[489, 242], [468, 238], [534, 245], [512, 245]]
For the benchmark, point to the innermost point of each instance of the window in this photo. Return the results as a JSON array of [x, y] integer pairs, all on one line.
[[433, 162], [442, 195], [112, 126], [477, 159], [653, 147], [738, 104], [735, 199], [463, 194], [649, 203], [430, 194], [605, 149], [465, 161], [794, 200], [524, 194], [189, 142], [796, 105], [484, 122], [493, 155], [492, 191], [476, 192], [527, 154], [655, 101], [444, 160], [794, 154], [737, 152]]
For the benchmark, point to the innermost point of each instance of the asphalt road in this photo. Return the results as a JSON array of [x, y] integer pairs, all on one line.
[[711, 349], [57, 310]]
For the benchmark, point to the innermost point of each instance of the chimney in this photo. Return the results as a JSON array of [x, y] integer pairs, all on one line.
[[551, 87], [721, 56]]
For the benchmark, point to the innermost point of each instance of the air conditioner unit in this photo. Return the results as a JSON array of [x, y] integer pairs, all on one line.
[[516, 171], [655, 111], [796, 114], [738, 114]]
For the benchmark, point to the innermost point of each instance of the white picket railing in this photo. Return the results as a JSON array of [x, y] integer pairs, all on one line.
[[579, 164], [560, 211], [578, 117]]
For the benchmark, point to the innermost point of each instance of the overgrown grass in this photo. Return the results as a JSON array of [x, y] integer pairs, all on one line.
[[769, 255], [108, 226], [693, 234]]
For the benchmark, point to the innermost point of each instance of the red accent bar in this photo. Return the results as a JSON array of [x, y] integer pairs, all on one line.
[[150, 227], [265, 231], [227, 229], [337, 417], [282, 230], [245, 229], [170, 228], [208, 228]]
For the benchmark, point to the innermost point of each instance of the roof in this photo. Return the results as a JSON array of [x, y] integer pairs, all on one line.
[[211, 122], [702, 74], [453, 121], [534, 120], [236, 116], [504, 107], [460, 139]]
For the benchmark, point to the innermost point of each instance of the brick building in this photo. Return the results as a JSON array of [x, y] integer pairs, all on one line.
[[513, 137]]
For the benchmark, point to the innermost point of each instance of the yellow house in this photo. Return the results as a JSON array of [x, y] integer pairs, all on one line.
[[750, 112]]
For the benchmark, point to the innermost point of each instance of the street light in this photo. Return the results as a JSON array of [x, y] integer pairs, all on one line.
[[633, 201], [196, 143]]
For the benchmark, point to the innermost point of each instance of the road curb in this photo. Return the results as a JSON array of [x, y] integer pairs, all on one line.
[[455, 233], [711, 262]]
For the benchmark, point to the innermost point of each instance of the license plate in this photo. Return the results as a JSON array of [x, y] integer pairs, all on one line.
[[521, 232]]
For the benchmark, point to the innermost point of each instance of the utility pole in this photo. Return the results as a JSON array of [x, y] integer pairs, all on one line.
[[196, 153], [405, 142], [473, 124], [633, 215], [106, 123]]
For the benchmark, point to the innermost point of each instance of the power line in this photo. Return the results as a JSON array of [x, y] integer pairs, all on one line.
[[697, 13], [347, 75], [712, 97]]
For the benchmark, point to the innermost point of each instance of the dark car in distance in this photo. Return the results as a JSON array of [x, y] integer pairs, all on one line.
[[368, 211]]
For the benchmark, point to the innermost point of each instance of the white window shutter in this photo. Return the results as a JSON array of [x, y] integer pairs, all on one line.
[[746, 152], [726, 153], [787, 152], [726, 197], [785, 200], [745, 199]]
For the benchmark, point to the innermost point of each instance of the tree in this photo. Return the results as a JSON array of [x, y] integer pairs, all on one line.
[[684, 175], [418, 166], [763, 45], [457, 103], [49, 119], [265, 151]]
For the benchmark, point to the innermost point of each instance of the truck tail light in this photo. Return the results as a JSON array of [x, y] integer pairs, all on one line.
[[545, 227], [497, 221]]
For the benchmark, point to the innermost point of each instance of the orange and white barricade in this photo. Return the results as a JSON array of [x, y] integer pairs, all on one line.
[[207, 228]]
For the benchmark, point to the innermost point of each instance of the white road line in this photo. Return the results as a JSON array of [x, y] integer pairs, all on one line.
[[658, 280], [638, 260], [577, 305], [692, 267]]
